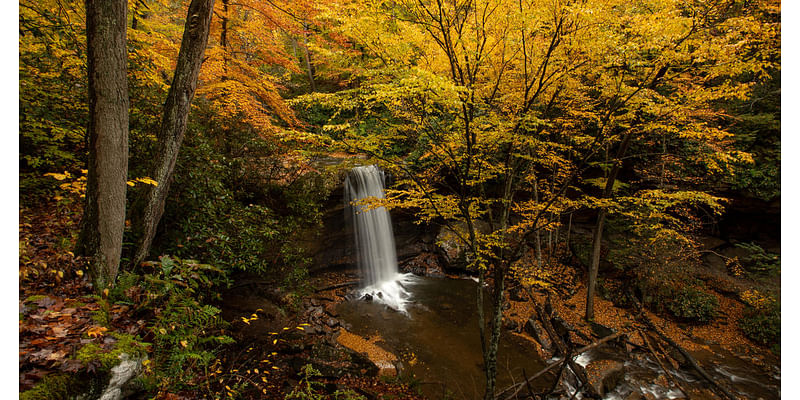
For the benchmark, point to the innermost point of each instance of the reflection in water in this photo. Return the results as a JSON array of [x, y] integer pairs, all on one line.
[[438, 341]]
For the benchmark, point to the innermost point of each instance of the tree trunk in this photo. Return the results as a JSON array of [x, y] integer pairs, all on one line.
[[308, 58], [223, 40], [597, 236], [104, 210], [538, 231], [173, 123], [494, 340], [490, 352]]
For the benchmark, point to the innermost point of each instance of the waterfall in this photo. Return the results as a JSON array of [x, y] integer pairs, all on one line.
[[377, 258]]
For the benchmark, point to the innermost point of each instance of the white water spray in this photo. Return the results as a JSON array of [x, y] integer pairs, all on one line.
[[377, 258]]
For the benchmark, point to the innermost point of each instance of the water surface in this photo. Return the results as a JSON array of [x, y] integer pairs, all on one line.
[[438, 340]]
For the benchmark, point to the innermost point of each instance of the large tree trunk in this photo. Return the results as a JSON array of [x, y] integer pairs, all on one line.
[[597, 236], [173, 124], [104, 210]]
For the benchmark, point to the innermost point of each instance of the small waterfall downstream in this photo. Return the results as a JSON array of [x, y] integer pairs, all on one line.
[[377, 257]]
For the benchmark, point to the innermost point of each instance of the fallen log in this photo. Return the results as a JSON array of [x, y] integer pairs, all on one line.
[[663, 367], [518, 386], [579, 372], [689, 359]]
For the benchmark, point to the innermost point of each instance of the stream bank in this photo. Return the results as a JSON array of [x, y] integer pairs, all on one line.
[[354, 341]]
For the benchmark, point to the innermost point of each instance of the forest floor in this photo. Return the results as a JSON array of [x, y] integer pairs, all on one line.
[[277, 333]]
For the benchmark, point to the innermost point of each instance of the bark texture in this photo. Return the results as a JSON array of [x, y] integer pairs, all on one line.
[[173, 124], [597, 236], [104, 210]]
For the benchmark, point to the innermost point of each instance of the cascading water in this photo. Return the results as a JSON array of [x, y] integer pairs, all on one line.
[[377, 258]]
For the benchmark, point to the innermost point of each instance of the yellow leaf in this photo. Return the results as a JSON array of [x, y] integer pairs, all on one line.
[[147, 181], [163, 331], [275, 341], [184, 343], [59, 177]]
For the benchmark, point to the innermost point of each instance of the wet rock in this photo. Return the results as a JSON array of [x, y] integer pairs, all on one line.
[[424, 264], [332, 322], [330, 309], [601, 330], [537, 332], [316, 312], [367, 297], [562, 328], [605, 375]]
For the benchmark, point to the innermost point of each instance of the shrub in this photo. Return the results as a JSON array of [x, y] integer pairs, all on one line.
[[238, 203], [693, 305], [763, 325], [184, 326], [760, 261]]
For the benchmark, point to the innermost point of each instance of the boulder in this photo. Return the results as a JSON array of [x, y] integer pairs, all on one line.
[[424, 264], [601, 330], [562, 328], [537, 332], [605, 375], [452, 248], [121, 375]]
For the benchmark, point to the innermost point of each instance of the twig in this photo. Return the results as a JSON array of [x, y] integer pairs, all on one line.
[[528, 384]]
